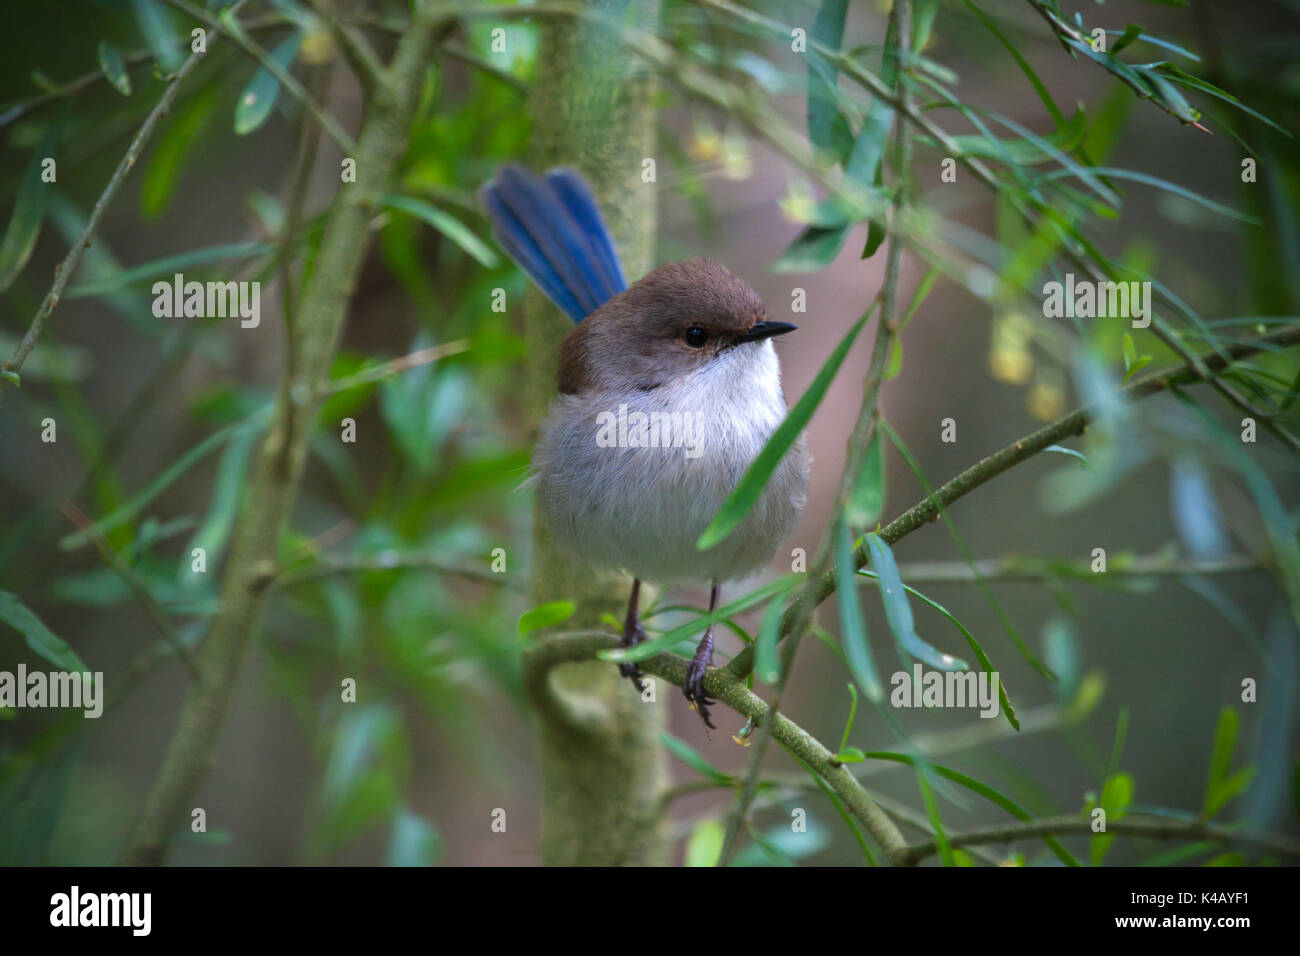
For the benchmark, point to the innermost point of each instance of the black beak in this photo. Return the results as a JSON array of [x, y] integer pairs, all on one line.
[[765, 330]]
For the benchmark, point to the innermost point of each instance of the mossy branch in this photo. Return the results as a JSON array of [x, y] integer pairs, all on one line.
[[560, 649]]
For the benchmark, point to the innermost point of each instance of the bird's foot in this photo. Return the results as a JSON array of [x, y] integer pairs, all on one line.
[[633, 634], [693, 685]]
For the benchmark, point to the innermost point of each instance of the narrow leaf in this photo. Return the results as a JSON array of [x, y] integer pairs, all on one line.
[[39, 638], [448, 225], [258, 97], [114, 67], [899, 612], [755, 479]]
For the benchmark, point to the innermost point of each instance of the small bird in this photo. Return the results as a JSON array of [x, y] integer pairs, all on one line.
[[667, 391]]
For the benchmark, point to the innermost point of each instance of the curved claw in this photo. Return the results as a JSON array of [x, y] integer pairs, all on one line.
[[633, 634], [693, 690]]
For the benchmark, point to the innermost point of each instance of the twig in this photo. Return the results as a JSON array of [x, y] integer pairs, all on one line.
[[63, 271], [860, 439], [1067, 35], [1015, 567], [1026, 447], [1151, 827], [388, 561], [136, 586], [240, 35], [369, 69]]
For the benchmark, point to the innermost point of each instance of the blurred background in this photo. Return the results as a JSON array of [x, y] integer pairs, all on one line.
[[441, 734]]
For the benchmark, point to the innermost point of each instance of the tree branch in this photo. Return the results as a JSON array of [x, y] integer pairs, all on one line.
[[1150, 827], [1073, 424], [559, 649]]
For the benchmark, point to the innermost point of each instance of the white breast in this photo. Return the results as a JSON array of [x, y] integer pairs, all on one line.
[[641, 509]]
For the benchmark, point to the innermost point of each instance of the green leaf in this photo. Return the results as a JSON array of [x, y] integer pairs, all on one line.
[[692, 758], [1113, 173], [448, 225], [414, 841], [826, 125], [850, 755], [812, 249], [759, 473], [155, 23], [258, 97], [167, 161], [853, 713], [164, 268], [1116, 798], [1062, 450], [1008, 709], [918, 297], [867, 497], [226, 489], [1221, 787], [546, 615], [899, 612], [704, 845], [857, 647], [1026, 152], [984, 790], [875, 237], [114, 67], [39, 638], [29, 208], [152, 490], [767, 664], [989, 24], [1131, 33]]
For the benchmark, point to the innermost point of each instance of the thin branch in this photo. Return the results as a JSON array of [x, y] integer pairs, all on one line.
[[369, 69], [327, 567], [557, 649], [1016, 567], [1023, 448], [91, 78], [1067, 34], [295, 89], [137, 587], [63, 271], [1149, 827], [863, 431]]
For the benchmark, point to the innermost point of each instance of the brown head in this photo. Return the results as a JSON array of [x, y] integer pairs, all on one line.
[[672, 322]]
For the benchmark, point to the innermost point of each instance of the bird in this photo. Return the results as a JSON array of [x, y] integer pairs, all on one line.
[[667, 389]]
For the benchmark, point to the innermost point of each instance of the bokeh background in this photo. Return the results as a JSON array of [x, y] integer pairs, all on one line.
[[441, 734]]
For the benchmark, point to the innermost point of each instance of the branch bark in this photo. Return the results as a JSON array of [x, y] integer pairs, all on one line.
[[603, 769], [274, 483]]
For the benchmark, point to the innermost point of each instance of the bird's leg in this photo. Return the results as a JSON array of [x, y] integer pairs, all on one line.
[[693, 686], [633, 634]]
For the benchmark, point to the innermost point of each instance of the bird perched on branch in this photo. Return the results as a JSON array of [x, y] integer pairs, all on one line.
[[668, 390]]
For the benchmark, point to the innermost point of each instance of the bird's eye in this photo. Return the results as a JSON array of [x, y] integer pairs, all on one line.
[[695, 337]]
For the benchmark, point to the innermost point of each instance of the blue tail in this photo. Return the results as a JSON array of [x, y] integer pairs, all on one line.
[[552, 228]]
